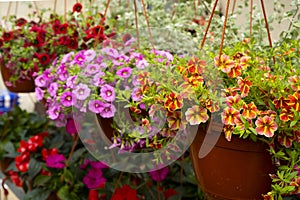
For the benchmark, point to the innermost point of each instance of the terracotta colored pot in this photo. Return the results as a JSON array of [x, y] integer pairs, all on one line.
[[231, 170], [21, 86]]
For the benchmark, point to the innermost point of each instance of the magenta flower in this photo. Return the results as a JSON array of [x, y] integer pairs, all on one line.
[[107, 92], [56, 161], [40, 81], [92, 68], [71, 127], [52, 89], [96, 106], [159, 175], [94, 178], [79, 58], [108, 111], [124, 72], [39, 93], [82, 91], [67, 99]]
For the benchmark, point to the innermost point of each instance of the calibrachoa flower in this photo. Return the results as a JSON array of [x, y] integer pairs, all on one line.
[[265, 126], [82, 91], [229, 114], [107, 92], [196, 115]]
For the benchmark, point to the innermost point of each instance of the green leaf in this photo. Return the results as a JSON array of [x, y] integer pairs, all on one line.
[[34, 167], [68, 176], [297, 24], [77, 154], [293, 123], [64, 194], [41, 180], [37, 194]]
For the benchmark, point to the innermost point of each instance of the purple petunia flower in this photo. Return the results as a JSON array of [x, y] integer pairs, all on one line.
[[111, 52], [98, 164], [92, 68], [108, 111], [97, 80], [79, 58], [124, 72], [61, 120], [89, 55], [96, 106], [40, 81], [53, 111], [107, 92], [98, 60], [67, 57], [52, 89], [67, 99], [103, 65], [56, 161], [82, 91], [141, 64], [159, 175], [94, 178], [136, 55], [71, 82], [47, 75], [39, 93]]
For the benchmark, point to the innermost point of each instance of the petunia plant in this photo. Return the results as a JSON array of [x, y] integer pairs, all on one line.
[[31, 44]]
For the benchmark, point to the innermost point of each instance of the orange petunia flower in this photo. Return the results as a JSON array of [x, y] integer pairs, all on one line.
[[229, 114], [266, 126], [249, 111]]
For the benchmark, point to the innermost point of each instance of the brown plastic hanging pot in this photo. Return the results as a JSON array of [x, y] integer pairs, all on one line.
[[20, 86], [238, 169]]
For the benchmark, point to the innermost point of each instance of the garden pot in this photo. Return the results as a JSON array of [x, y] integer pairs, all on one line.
[[21, 86], [238, 169]]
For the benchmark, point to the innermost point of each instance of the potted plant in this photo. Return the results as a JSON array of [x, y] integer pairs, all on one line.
[[54, 164], [31, 44]]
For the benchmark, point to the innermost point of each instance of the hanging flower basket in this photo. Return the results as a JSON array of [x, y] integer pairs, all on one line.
[[231, 170], [20, 86]]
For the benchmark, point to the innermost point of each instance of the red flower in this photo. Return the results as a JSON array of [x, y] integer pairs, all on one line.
[[21, 22], [72, 43], [125, 193], [63, 40], [63, 28], [56, 27], [43, 58], [169, 192], [47, 152], [22, 162], [15, 178], [7, 36], [77, 7], [93, 195]]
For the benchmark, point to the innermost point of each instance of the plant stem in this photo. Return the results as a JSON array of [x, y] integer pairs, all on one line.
[[148, 24], [224, 28], [72, 150], [136, 23], [208, 25], [119, 180]]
